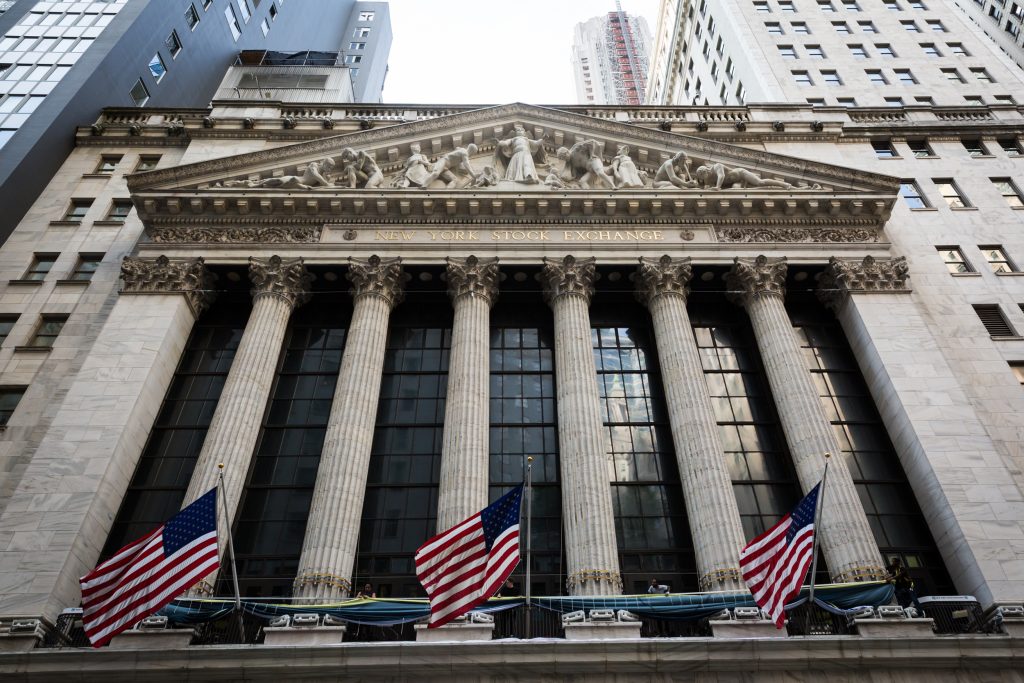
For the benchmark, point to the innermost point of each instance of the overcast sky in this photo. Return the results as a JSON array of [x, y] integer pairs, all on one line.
[[489, 52]]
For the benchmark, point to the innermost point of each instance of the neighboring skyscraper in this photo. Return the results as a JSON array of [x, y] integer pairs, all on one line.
[[609, 58], [60, 63], [1001, 21], [826, 52]]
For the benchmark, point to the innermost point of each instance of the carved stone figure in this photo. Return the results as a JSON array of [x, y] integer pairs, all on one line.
[[448, 167], [674, 173], [560, 179], [519, 156], [487, 178], [717, 177], [624, 170], [358, 169], [315, 175], [585, 165], [417, 167]]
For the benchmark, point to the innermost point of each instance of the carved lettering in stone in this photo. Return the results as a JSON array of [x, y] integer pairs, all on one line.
[[285, 278], [662, 276], [843, 277], [568, 277], [473, 276], [762, 235], [188, 276], [377, 277], [751, 278], [253, 235]]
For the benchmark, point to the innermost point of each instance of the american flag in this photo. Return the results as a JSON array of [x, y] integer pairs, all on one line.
[[464, 566], [145, 575], [775, 563]]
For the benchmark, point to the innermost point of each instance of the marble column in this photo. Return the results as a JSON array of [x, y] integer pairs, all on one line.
[[588, 519], [332, 531], [278, 286], [710, 502], [846, 539], [465, 449], [76, 477]]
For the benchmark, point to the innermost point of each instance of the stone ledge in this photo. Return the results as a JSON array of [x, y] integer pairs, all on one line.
[[300, 636], [956, 657], [33, 283]]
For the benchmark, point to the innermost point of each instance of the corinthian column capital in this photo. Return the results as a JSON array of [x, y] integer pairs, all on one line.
[[473, 277], [377, 277], [753, 278], [287, 279], [843, 277], [658, 277], [162, 275], [568, 277]]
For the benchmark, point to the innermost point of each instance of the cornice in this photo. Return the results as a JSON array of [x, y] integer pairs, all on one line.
[[794, 208]]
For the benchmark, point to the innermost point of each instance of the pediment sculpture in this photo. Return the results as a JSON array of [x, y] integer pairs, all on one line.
[[518, 162]]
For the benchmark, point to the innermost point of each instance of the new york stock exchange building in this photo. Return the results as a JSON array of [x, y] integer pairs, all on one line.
[[373, 316]]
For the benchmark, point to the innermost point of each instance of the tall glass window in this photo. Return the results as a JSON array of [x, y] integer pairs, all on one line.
[[157, 489], [898, 524], [755, 449], [523, 417], [400, 510], [650, 516], [271, 521]]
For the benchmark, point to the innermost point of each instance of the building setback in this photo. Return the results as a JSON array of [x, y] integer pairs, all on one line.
[[62, 62]]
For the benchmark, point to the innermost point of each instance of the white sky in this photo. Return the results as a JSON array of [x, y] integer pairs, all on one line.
[[490, 52]]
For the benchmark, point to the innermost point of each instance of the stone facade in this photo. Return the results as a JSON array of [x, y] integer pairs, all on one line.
[[235, 199]]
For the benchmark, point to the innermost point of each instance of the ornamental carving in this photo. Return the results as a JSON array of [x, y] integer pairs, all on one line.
[[761, 235], [751, 278], [843, 277], [253, 235], [551, 118], [568, 277], [284, 278], [377, 277], [162, 275], [657, 277], [474, 277]]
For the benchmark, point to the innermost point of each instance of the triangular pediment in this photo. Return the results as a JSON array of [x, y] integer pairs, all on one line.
[[391, 148]]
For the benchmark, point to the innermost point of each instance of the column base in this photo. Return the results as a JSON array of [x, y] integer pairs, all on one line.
[[602, 630], [740, 629], [291, 636], [454, 633], [895, 628], [156, 639]]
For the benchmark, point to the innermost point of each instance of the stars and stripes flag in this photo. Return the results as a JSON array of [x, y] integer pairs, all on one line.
[[775, 563], [145, 575], [464, 566]]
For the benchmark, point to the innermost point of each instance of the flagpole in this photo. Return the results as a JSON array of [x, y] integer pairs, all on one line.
[[529, 535], [817, 526], [231, 551]]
